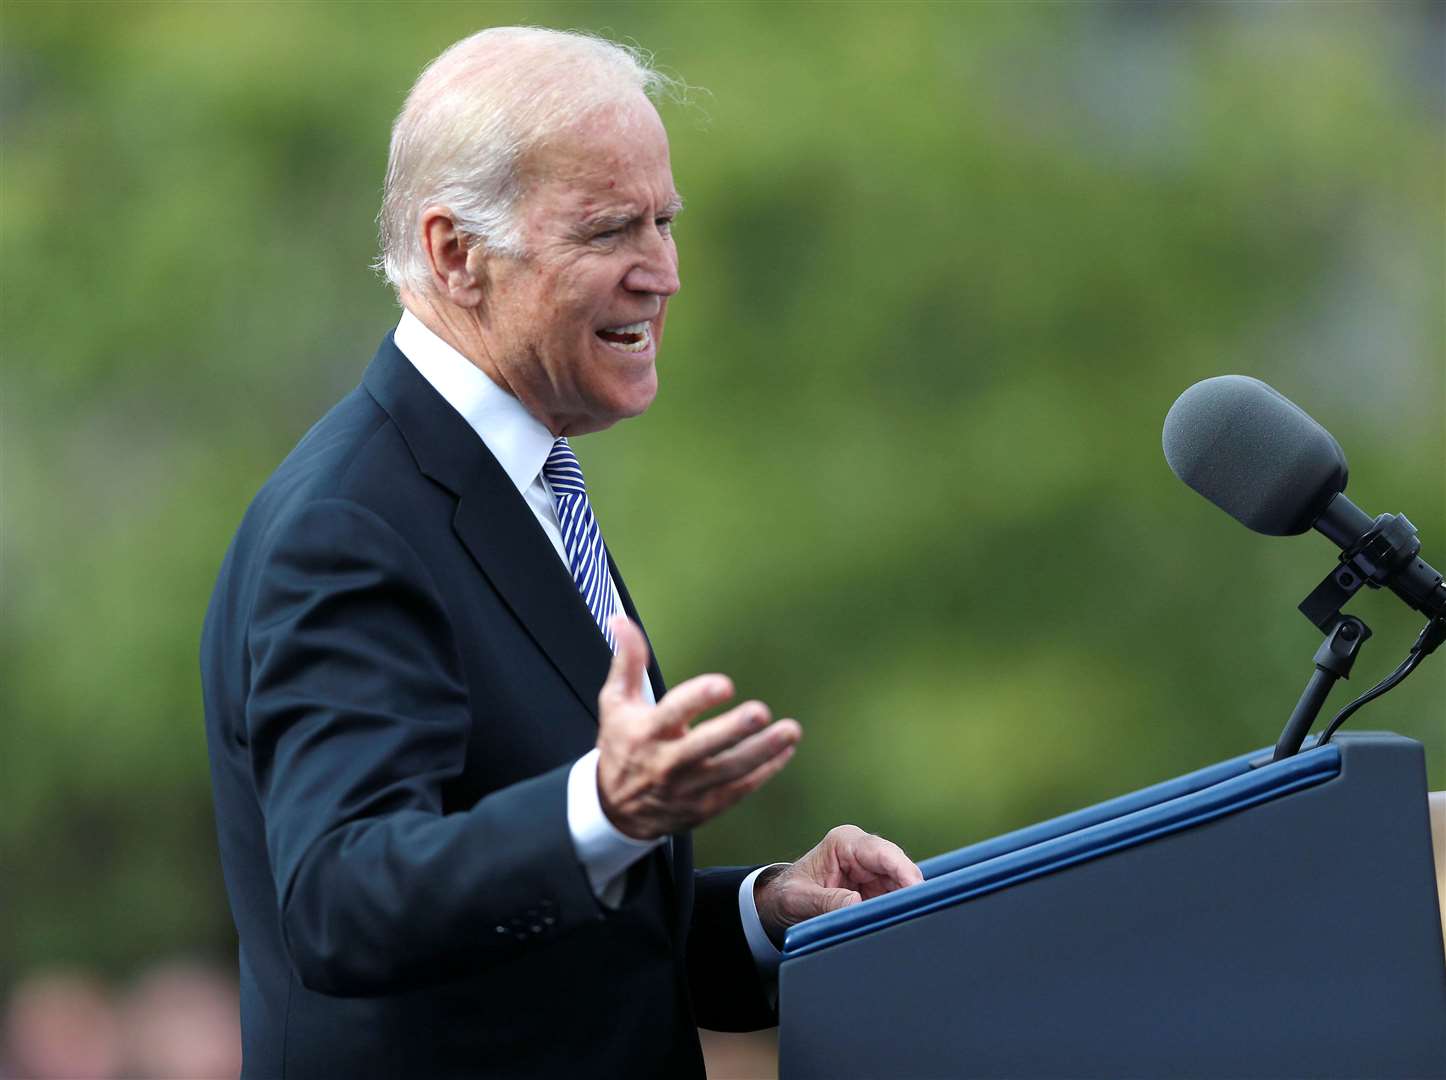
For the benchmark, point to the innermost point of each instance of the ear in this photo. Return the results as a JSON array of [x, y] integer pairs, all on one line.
[[457, 262]]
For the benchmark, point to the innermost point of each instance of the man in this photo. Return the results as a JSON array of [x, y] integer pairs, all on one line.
[[451, 792]]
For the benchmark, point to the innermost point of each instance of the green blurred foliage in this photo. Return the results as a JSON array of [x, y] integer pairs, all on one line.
[[946, 266]]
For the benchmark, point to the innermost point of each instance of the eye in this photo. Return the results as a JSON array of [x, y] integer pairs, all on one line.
[[607, 234], [665, 225]]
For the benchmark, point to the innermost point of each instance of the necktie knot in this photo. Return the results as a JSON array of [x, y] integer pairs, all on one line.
[[563, 471]]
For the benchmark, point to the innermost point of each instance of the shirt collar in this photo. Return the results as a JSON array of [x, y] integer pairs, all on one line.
[[517, 439]]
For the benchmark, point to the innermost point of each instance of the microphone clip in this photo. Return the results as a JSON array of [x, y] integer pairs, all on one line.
[[1385, 551], [1379, 552], [1323, 606]]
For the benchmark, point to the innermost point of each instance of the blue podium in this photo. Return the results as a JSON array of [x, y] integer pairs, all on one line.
[[1251, 919]]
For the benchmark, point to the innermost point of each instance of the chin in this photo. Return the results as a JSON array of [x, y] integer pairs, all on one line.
[[637, 404], [625, 403], [636, 392]]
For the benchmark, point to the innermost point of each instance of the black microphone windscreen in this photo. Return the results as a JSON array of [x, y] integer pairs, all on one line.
[[1254, 453]]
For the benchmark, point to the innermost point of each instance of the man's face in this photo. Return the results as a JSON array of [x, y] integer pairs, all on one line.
[[573, 327]]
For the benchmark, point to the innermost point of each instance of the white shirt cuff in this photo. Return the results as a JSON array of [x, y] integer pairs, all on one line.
[[605, 853], [765, 956]]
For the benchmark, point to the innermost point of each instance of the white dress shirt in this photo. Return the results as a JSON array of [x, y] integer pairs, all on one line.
[[521, 443]]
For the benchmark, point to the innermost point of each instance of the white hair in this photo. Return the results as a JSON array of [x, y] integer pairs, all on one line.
[[471, 118]]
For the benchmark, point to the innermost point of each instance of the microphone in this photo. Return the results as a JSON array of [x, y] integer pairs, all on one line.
[[1263, 460]]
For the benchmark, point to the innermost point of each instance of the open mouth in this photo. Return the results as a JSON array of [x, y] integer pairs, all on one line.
[[635, 337]]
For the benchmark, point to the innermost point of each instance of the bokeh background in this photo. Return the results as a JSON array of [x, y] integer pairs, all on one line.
[[945, 268]]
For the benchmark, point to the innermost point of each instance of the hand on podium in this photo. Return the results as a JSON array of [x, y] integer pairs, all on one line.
[[846, 866]]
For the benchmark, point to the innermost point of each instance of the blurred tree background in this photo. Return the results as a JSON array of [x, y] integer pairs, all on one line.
[[945, 266]]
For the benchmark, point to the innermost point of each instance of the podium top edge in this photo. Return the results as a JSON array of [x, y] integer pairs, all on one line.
[[1187, 801]]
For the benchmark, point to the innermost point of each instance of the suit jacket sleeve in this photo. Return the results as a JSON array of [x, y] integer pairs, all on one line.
[[357, 714], [728, 991]]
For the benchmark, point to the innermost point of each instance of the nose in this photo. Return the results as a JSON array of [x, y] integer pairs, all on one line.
[[656, 268]]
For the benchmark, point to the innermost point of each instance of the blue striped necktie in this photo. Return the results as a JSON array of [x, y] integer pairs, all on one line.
[[581, 537]]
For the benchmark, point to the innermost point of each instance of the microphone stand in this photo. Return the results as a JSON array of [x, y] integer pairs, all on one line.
[[1387, 554], [1333, 661]]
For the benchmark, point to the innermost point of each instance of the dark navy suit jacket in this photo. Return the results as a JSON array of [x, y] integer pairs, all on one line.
[[398, 674]]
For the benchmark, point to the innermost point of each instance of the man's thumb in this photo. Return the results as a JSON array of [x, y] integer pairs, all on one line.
[[833, 899], [625, 677]]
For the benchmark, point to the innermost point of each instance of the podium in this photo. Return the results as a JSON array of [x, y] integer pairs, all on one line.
[[1251, 919]]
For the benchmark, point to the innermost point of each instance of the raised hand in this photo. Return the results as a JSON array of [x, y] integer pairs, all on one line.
[[660, 773]]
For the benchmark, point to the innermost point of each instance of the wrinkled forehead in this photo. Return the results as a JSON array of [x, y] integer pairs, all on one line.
[[614, 153]]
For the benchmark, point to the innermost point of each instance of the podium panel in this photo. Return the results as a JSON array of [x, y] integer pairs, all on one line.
[[1252, 919]]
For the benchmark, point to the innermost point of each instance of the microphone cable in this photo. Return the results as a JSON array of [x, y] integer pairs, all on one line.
[[1426, 642]]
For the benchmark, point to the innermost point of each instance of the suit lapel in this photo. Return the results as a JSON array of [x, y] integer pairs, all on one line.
[[494, 523], [655, 673]]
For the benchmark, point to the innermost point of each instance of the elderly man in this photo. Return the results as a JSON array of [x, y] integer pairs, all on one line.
[[451, 792]]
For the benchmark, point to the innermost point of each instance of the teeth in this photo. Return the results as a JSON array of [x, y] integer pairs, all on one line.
[[644, 331]]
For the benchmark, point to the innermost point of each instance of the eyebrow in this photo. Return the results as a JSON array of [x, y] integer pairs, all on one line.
[[618, 218]]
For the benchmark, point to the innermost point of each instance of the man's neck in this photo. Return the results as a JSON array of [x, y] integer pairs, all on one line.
[[458, 329], [461, 329]]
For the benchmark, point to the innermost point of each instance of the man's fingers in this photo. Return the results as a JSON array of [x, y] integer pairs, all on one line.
[[630, 662], [686, 701], [747, 754], [721, 732], [725, 796], [879, 857]]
